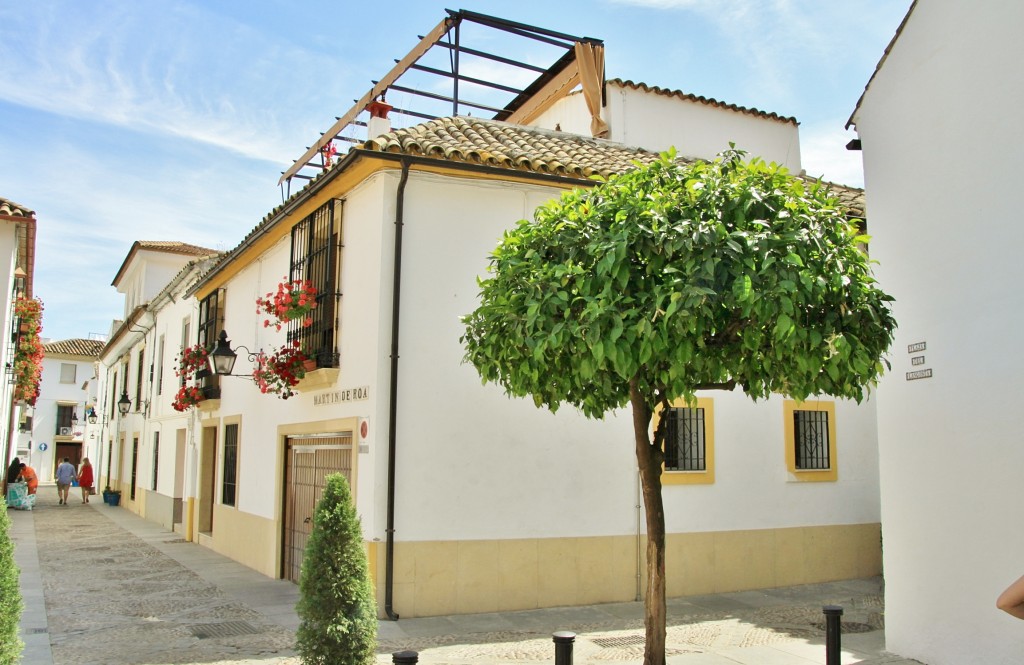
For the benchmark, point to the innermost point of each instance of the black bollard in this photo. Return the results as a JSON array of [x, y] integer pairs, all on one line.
[[563, 640], [832, 633], [405, 657]]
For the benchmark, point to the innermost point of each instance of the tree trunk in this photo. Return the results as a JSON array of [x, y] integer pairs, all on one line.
[[649, 460]]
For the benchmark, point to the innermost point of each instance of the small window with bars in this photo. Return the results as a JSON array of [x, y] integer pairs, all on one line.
[[811, 440], [229, 487], [685, 442]]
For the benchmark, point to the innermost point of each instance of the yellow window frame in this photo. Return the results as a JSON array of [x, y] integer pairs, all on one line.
[[707, 476], [831, 474]]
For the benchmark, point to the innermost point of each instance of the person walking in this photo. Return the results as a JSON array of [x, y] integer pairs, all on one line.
[[85, 479], [65, 476]]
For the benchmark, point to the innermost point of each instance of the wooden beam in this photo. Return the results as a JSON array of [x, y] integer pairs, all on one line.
[[421, 48]]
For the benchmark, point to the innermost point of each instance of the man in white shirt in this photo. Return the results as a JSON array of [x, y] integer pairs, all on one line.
[[65, 476]]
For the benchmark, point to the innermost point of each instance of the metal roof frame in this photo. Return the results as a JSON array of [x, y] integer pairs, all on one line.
[[447, 35]]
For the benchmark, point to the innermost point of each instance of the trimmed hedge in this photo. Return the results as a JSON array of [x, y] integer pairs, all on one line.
[[337, 607], [10, 594]]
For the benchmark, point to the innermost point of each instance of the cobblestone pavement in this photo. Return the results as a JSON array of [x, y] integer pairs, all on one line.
[[120, 590], [112, 598]]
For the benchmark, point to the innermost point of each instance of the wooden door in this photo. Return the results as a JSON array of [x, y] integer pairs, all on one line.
[[308, 461]]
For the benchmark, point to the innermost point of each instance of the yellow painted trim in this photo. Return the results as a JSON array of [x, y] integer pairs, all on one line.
[[808, 476], [353, 176], [190, 512], [707, 476]]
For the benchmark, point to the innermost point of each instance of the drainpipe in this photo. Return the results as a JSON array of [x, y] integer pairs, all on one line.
[[389, 551]]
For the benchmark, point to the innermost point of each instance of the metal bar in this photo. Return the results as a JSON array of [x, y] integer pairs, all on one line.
[[467, 79], [415, 114], [444, 98], [496, 58], [455, 69], [349, 139], [358, 123], [563, 640], [418, 51], [501, 24], [833, 629]]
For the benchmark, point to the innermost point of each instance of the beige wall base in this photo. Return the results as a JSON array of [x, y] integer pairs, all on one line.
[[435, 578], [248, 539]]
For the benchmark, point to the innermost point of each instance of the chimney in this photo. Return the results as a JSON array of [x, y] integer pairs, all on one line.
[[379, 123]]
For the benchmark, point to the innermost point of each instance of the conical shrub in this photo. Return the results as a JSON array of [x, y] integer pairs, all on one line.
[[10, 594], [336, 607]]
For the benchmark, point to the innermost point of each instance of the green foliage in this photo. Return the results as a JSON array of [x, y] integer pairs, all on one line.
[[682, 277], [337, 607], [10, 594]]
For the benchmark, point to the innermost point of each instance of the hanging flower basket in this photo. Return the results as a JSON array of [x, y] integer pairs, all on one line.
[[294, 301], [191, 361], [187, 397], [27, 364], [280, 371]]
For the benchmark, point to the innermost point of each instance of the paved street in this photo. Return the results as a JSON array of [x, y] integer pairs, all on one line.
[[104, 586]]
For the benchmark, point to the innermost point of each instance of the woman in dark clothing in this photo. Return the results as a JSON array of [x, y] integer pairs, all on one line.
[[13, 471]]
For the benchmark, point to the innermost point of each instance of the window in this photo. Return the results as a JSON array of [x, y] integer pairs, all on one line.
[[689, 443], [65, 412], [160, 367], [315, 257], [138, 379], [211, 320], [185, 343], [135, 464], [156, 458], [230, 484], [67, 372], [810, 431]]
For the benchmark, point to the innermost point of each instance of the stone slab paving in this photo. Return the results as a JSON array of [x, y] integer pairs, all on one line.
[[105, 586]]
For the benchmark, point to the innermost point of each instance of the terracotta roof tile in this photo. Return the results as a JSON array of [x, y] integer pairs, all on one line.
[[507, 146], [174, 247], [12, 209], [500, 145], [74, 347], [709, 101]]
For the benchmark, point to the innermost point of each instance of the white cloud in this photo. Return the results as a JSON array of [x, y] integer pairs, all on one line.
[[129, 69], [824, 154]]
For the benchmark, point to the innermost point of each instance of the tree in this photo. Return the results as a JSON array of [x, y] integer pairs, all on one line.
[[336, 606], [10, 594], [673, 278]]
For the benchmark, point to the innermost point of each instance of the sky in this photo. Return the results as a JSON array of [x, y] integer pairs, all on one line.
[[128, 120]]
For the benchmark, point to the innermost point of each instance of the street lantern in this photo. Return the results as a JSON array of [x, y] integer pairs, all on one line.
[[124, 404], [222, 359]]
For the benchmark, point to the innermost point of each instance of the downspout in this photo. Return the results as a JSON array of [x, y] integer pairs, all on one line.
[[389, 550]]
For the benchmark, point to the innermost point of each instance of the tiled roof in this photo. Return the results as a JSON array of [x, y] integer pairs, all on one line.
[[710, 101], [12, 209], [166, 246], [499, 145], [74, 347], [514, 147], [174, 247]]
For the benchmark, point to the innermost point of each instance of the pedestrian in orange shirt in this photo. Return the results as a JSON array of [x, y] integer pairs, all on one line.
[[28, 474]]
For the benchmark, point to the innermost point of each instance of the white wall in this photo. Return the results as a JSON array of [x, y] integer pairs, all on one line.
[[657, 122], [44, 422], [942, 138], [473, 464]]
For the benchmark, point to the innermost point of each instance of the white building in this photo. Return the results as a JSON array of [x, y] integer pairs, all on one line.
[[17, 267], [941, 140], [56, 428], [470, 501], [144, 449]]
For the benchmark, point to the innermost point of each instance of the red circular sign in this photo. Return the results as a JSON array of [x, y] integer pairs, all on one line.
[[364, 428]]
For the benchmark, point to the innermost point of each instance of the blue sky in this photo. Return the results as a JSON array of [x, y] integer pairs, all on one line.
[[172, 120]]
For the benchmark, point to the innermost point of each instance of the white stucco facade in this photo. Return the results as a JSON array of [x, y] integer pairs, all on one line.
[[658, 119], [941, 141]]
